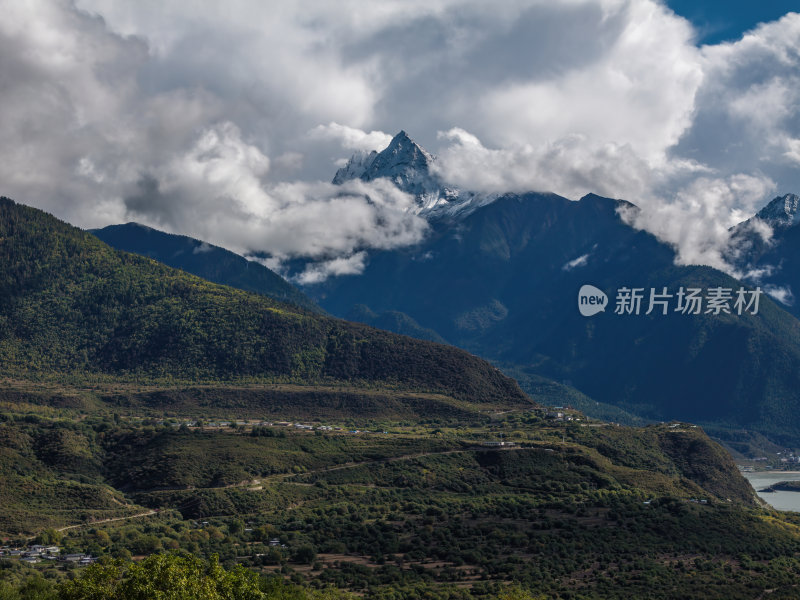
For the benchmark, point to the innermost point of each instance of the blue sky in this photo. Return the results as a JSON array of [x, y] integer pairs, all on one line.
[[722, 21]]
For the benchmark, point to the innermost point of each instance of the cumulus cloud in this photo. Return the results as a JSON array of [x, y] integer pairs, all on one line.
[[92, 140], [680, 201], [709, 157], [698, 219], [351, 138], [749, 101], [573, 165], [217, 191], [637, 92], [222, 122]]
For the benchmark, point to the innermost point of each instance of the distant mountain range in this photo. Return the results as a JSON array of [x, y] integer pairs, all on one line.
[[204, 260], [499, 275], [504, 285]]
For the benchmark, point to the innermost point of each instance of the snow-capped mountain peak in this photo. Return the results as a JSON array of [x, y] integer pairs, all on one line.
[[783, 210], [411, 168], [403, 161]]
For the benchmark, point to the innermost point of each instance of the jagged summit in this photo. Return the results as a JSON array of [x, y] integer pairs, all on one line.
[[407, 164], [356, 167], [783, 210], [411, 168], [403, 161]]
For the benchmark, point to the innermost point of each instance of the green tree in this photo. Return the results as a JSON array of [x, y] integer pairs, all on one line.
[[517, 592], [49, 536], [8, 591], [102, 538], [305, 554], [236, 526], [163, 577], [37, 588], [97, 582]]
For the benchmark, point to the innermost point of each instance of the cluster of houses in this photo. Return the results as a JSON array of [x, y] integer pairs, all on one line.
[[38, 553], [310, 427], [789, 457], [238, 423], [559, 414]]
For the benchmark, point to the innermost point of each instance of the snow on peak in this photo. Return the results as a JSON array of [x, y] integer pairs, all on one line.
[[355, 167], [411, 168], [403, 158], [403, 161], [783, 210]]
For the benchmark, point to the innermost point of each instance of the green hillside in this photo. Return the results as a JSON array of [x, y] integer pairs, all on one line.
[[204, 260], [571, 510], [72, 306]]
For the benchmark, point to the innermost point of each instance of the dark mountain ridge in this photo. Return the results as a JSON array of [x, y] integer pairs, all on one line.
[[205, 260], [72, 306], [503, 281]]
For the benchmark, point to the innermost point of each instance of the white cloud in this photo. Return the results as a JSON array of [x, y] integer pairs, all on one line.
[[92, 137], [575, 263], [220, 121], [638, 92], [217, 191], [783, 295], [289, 161], [756, 275], [705, 160], [351, 138], [747, 112], [343, 265], [573, 165], [698, 219]]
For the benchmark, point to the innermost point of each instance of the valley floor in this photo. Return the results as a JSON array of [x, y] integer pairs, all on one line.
[[455, 504]]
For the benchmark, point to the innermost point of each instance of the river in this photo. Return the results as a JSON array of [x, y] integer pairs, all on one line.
[[779, 500]]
